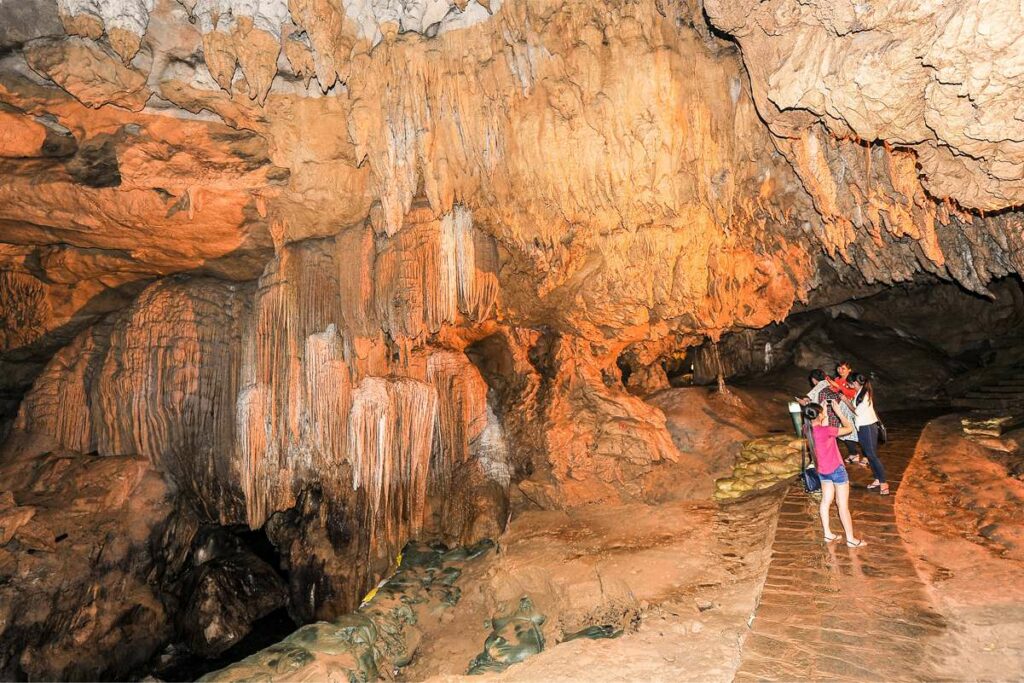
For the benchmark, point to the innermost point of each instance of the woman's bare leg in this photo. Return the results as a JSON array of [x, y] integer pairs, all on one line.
[[843, 503], [828, 492]]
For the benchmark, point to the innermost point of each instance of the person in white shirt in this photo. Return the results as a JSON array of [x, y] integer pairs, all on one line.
[[866, 421]]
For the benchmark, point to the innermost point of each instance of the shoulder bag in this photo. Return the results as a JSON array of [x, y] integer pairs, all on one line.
[[808, 472]]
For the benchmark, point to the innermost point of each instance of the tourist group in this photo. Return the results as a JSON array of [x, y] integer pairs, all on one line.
[[842, 409]]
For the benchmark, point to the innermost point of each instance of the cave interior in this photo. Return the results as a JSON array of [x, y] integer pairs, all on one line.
[[321, 322]]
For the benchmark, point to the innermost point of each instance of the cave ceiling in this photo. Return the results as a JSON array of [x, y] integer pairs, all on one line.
[[647, 172]]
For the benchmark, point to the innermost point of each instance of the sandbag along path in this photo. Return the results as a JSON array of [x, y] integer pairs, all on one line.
[[829, 612]]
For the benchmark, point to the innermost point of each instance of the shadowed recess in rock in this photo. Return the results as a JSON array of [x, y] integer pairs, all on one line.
[[382, 635]]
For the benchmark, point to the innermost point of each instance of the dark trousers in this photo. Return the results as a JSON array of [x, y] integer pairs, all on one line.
[[868, 436]]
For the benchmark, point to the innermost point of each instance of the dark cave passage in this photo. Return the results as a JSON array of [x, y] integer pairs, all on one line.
[[492, 356], [233, 602], [920, 344]]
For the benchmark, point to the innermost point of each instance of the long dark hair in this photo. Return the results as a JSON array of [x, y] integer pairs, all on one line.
[[811, 412], [865, 389]]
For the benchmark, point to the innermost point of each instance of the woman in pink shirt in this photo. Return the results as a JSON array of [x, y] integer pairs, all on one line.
[[835, 483]]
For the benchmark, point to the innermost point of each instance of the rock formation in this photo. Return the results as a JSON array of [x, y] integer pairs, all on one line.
[[79, 538], [352, 273]]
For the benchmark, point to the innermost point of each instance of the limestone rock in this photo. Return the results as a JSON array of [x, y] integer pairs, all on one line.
[[600, 443], [899, 74], [228, 591], [57, 413], [382, 635], [86, 71], [20, 137], [25, 319], [647, 380], [80, 554]]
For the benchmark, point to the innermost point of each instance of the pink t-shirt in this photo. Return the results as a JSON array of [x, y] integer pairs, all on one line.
[[826, 450]]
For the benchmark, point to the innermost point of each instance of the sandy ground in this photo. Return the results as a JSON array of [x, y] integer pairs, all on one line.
[[962, 518]]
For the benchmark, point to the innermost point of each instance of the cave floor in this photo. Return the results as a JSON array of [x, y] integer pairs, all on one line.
[[686, 574], [749, 591], [829, 612]]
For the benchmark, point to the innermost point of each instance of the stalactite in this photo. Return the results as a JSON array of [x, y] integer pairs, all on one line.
[[243, 32], [356, 254], [492, 450], [390, 436], [124, 21], [461, 414], [476, 263], [414, 294], [258, 473], [328, 401], [295, 380], [430, 270]]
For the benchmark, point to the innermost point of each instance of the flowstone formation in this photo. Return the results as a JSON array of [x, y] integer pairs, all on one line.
[[352, 273]]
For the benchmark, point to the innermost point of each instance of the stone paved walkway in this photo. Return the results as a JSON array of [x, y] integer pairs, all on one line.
[[828, 612]]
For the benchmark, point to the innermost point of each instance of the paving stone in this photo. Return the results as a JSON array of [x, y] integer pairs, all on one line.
[[828, 612]]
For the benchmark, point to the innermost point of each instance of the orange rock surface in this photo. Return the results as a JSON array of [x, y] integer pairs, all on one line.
[[351, 272]]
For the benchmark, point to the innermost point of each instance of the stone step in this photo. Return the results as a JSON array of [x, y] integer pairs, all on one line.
[[986, 424], [987, 403], [995, 391]]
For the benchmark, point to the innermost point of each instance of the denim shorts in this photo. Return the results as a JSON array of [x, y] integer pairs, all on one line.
[[837, 476]]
